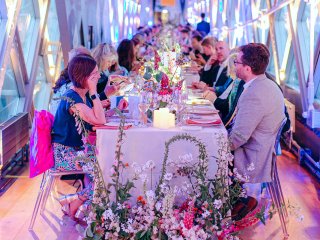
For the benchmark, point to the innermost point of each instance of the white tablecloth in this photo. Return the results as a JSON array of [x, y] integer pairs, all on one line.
[[190, 77], [143, 144]]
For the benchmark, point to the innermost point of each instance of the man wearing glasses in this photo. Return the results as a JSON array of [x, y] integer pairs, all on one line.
[[260, 111]]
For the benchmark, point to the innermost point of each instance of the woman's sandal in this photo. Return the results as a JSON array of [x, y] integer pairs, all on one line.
[[66, 201], [80, 214]]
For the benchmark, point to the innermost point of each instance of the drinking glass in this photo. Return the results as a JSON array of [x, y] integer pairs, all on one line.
[[143, 105]]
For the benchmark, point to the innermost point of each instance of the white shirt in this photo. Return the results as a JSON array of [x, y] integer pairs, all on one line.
[[222, 66]]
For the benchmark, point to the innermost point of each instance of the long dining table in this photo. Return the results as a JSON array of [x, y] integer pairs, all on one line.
[[145, 144]]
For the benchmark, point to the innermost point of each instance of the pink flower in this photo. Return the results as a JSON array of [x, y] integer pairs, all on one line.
[[164, 81], [188, 220]]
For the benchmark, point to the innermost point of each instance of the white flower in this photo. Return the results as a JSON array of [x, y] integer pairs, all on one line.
[[168, 176], [150, 164], [250, 167], [186, 158], [205, 214], [143, 178], [108, 214], [150, 195], [217, 203], [158, 206], [136, 168]]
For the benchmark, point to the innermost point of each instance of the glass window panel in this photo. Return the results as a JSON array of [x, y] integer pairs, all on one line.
[[263, 23], [304, 38], [281, 31], [292, 78], [26, 24], [9, 95], [42, 88], [52, 23], [270, 67], [318, 93], [317, 26]]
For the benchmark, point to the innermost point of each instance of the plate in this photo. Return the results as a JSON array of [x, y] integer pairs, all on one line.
[[203, 111], [203, 122], [191, 128], [115, 124]]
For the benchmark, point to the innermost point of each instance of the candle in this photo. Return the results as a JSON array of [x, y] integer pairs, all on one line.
[[171, 120], [162, 118]]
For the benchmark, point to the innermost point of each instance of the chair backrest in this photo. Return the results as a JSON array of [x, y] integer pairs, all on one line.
[[277, 146], [41, 152]]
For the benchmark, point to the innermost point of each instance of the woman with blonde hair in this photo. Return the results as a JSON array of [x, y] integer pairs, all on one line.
[[107, 60]]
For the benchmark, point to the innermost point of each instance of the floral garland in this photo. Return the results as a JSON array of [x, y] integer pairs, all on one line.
[[155, 215]]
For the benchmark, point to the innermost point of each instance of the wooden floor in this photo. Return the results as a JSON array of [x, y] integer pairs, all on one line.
[[16, 206]]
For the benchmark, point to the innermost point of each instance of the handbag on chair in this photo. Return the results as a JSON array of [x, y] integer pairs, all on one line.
[[41, 152]]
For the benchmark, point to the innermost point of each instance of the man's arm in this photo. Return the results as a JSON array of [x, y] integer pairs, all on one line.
[[250, 114]]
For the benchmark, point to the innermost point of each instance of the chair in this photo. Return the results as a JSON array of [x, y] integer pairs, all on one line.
[[47, 183], [274, 187], [42, 161]]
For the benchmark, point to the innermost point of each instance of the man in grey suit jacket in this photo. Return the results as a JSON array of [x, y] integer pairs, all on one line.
[[260, 111]]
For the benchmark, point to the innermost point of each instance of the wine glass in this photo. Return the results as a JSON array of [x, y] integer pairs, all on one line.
[[144, 105], [178, 104]]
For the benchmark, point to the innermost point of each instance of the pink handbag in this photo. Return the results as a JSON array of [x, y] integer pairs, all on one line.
[[41, 152]]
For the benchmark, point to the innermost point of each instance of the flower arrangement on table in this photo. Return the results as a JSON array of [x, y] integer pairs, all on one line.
[[156, 214], [162, 79]]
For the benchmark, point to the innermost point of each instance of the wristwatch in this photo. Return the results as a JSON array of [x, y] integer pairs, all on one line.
[[94, 96]]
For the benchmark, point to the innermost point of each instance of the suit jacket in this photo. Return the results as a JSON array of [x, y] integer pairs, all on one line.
[[203, 26], [252, 137], [209, 77]]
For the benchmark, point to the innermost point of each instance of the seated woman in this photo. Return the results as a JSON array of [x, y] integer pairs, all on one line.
[[126, 56], [63, 83], [208, 46], [107, 60], [227, 100], [67, 141], [196, 40]]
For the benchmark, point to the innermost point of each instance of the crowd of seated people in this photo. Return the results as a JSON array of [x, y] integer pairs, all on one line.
[[233, 80]]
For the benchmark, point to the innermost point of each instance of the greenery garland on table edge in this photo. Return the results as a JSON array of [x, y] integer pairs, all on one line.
[[216, 193]]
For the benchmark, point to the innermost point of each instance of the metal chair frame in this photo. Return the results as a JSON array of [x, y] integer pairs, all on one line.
[[274, 187], [48, 182]]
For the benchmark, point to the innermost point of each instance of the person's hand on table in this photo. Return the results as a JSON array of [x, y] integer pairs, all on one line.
[[199, 85], [195, 68], [111, 89], [209, 95], [123, 104], [106, 103]]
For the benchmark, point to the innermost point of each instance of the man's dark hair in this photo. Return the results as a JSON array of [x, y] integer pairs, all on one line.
[[255, 56], [198, 37], [185, 30], [203, 15]]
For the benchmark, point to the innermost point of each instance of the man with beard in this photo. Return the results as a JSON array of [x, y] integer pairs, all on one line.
[[258, 118]]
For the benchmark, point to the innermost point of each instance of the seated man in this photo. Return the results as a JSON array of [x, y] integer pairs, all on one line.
[[258, 118]]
